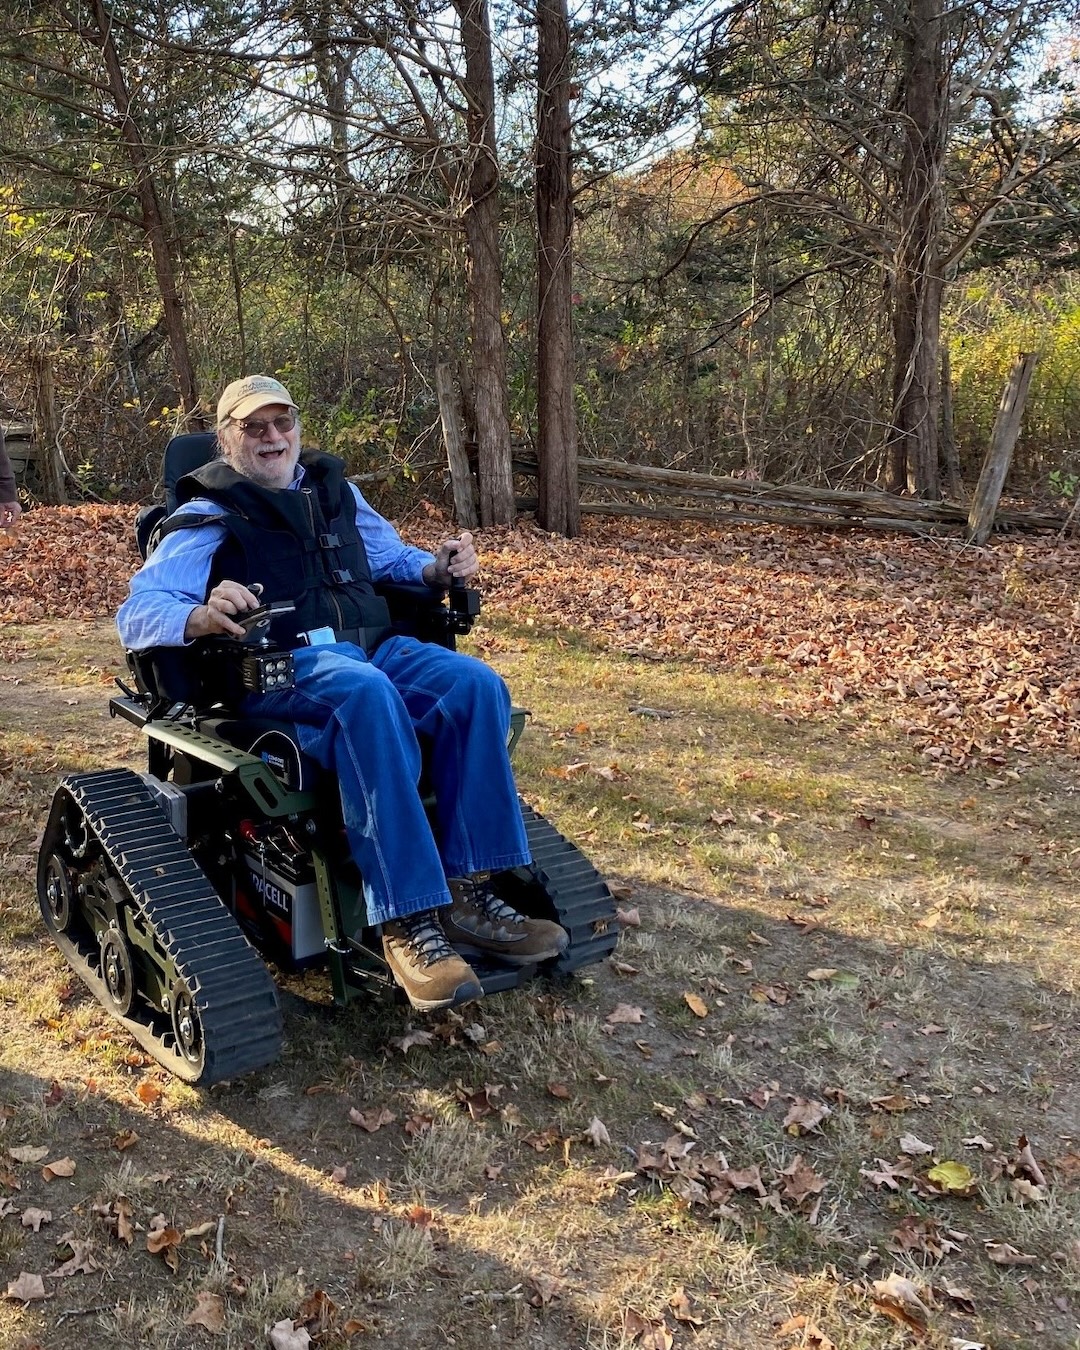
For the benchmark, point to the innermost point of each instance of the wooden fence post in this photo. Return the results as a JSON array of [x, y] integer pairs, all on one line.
[[998, 458], [460, 478]]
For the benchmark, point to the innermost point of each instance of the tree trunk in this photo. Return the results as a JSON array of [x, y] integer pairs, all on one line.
[[559, 509], [484, 270], [917, 283], [157, 222]]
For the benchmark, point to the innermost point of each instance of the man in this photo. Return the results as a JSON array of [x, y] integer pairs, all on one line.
[[267, 522], [10, 510]]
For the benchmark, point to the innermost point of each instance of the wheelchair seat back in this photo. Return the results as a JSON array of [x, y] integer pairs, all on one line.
[[183, 454]]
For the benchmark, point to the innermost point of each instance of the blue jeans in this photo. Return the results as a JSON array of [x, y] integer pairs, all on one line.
[[364, 719]]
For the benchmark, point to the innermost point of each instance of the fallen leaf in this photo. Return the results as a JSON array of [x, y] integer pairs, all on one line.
[[29, 1153], [1004, 1254], [559, 1090], [625, 1012], [898, 1297], [960, 1295], [1023, 1190], [80, 1262], [894, 1103], [317, 1311], [809, 1335], [953, 1177], [924, 1237], [888, 1174], [629, 918], [27, 1288], [544, 1288], [801, 1181], [148, 1092], [778, 994], [682, 1310], [597, 1133], [805, 1116], [647, 1334], [405, 1043], [63, 1167], [1026, 1162], [164, 1242], [285, 1335], [696, 1004], [34, 1218], [373, 1119], [912, 1144], [209, 1312]]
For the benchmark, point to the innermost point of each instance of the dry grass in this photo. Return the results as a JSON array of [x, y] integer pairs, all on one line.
[[759, 853]]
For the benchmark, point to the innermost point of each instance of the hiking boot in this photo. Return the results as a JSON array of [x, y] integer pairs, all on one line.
[[425, 965], [479, 923]]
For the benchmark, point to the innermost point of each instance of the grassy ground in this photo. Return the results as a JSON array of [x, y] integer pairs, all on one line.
[[839, 968]]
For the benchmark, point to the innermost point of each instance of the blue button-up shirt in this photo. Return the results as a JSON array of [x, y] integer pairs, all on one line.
[[173, 580]]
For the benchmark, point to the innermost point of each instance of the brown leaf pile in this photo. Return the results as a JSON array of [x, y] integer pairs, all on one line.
[[973, 652], [68, 562]]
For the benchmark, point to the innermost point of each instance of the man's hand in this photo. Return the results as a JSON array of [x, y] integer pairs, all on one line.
[[456, 558], [226, 599]]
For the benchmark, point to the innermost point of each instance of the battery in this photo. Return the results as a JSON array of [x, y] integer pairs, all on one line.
[[290, 897]]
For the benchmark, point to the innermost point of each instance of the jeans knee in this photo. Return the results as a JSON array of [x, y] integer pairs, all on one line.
[[479, 689]]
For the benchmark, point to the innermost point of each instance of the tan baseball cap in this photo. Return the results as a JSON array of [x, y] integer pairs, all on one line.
[[247, 395]]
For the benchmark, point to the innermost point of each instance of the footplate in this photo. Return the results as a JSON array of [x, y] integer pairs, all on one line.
[[139, 922], [562, 884]]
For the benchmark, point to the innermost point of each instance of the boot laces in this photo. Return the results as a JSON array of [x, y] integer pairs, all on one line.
[[478, 894], [424, 935]]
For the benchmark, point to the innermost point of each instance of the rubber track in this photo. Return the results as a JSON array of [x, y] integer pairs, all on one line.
[[582, 901], [194, 932]]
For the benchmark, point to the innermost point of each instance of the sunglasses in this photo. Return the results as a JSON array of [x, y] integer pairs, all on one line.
[[257, 429]]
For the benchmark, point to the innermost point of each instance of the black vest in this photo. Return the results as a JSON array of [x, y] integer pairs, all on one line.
[[301, 544]]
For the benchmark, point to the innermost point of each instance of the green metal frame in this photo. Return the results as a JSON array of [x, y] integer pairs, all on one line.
[[341, 906]]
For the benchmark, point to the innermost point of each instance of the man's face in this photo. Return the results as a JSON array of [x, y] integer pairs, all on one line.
[[261, 450]]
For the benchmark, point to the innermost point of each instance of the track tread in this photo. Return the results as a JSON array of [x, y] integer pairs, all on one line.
[[193, 930], [581, 898]]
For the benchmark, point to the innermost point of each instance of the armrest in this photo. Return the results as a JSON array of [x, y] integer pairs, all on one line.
[[429, 613]]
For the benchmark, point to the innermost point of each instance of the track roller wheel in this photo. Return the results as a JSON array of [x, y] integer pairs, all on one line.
[[117, 970], [76, 834], [59, 894], [187, 1026]]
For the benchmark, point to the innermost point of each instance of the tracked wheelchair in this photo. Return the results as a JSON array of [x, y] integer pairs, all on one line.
[[168, 891]]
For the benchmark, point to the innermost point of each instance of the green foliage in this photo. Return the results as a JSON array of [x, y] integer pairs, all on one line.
[[994, 316], [1064, 484]]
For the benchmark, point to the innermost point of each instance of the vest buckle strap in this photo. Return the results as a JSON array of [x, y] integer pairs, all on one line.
[[341, 576], [329, 541]]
